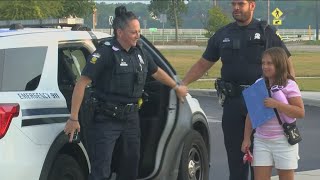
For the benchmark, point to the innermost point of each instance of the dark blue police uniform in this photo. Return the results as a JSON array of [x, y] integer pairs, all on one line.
[[240, 49], [119, 77]]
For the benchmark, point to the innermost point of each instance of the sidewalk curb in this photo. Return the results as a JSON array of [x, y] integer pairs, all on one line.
[[308, 99]]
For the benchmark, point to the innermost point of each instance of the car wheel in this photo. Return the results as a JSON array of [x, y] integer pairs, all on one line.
[[194, 163], [66, 167]]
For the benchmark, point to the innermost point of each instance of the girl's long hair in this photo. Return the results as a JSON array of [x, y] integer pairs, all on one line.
[[280, 60]]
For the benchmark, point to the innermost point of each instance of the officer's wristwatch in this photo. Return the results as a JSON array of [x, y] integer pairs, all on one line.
[[176, 86]]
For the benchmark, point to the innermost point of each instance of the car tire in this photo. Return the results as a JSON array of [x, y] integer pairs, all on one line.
[[194, 163], [65, 167]]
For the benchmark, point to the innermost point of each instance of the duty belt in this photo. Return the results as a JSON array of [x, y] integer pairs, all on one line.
[[243, 87], [116, 110], [125, 108], [229, 89]]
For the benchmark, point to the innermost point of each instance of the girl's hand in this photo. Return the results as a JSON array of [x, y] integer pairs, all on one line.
[[271, 103], [246, 143]]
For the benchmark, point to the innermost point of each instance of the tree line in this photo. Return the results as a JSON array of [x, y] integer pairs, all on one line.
[[41, 9], [196, 14]]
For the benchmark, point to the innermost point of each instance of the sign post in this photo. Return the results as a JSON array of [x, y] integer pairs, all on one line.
[[163, 19], [152, 30], [94, 18], [110, 22], [277, 13]]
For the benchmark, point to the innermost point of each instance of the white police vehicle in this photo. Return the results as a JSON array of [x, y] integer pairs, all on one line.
[[38, 70]]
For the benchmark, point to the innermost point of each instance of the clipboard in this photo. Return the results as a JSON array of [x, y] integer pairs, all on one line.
[[254, 97]]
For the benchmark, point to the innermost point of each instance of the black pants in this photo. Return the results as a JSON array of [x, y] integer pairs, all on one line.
[[233, 123], [103, 134]]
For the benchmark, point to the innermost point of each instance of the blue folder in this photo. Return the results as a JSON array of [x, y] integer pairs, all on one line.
[[254, 97]]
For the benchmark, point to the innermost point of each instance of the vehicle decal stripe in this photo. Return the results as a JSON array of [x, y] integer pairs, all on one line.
[[42, 121], [44, 111]]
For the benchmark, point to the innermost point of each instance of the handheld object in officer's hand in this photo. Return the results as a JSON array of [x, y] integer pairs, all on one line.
[[76, 137]]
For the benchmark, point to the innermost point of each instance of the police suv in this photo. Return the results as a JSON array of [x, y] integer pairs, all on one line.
[[38, 71]]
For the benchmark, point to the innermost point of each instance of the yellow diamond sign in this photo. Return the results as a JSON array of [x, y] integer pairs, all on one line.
[[277, 13], [277, 22]]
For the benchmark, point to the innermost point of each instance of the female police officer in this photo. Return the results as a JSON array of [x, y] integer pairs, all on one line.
[[118, 69]]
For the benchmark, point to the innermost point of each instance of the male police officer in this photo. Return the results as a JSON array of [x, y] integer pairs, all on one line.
[[239, 45], [118, 69]]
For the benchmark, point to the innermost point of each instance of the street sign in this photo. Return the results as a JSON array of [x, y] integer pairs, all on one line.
[[277, 13], [110, 20], [163, 18], [153, 29], [277, 22]]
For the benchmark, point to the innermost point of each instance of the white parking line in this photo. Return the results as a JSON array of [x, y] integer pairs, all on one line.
[[213, 119]]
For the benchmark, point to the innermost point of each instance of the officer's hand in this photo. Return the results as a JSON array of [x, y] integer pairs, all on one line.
[[70, 128], [182, 92]]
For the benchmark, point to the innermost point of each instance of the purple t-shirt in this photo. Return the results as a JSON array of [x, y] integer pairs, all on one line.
[[272, 129]]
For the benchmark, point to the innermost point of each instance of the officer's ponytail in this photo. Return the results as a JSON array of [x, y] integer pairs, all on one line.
[[122, 17]]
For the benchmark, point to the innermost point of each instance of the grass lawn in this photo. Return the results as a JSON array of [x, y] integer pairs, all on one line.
[[307, 64]]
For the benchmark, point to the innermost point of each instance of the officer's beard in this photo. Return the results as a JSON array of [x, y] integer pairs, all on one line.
[[243, 18]]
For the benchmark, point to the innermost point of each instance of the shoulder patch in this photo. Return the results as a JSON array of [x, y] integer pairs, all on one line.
[[95, 57], [93, 60]]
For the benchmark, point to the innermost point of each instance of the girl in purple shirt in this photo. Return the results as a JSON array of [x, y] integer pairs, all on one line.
[[271, 148]]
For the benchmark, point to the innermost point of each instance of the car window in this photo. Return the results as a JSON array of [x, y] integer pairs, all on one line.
[[71, 62], [21, 68]]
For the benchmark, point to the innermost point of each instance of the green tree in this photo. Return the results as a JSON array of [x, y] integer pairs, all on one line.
[[29, 9], [41, 9], [216, 20], [174, 10], [79, 8], [197, 14]]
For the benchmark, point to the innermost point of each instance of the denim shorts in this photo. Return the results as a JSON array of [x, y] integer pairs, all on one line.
[[275, 152]]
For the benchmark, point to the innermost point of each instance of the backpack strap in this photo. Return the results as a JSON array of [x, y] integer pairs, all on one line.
[[275, 110]]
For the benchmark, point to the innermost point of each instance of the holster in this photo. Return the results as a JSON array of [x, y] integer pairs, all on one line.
[[225, 87], [229, 89]]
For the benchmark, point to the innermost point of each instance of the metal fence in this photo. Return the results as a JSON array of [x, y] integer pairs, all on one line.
[[198, 35]]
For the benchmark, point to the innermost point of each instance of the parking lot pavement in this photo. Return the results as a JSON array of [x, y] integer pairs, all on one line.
[[309, 98], [304, 175]]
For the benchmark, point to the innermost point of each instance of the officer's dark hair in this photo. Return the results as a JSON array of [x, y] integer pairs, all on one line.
[[280, 61], [122, 17]]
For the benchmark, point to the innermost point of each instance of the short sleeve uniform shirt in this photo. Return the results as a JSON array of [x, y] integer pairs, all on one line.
[[240, 49], [101, 63]]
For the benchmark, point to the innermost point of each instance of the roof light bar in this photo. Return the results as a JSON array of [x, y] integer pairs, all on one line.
[[66, 22]]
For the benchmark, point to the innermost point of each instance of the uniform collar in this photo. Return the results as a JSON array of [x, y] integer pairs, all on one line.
[[115, 43], [251, 25]]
